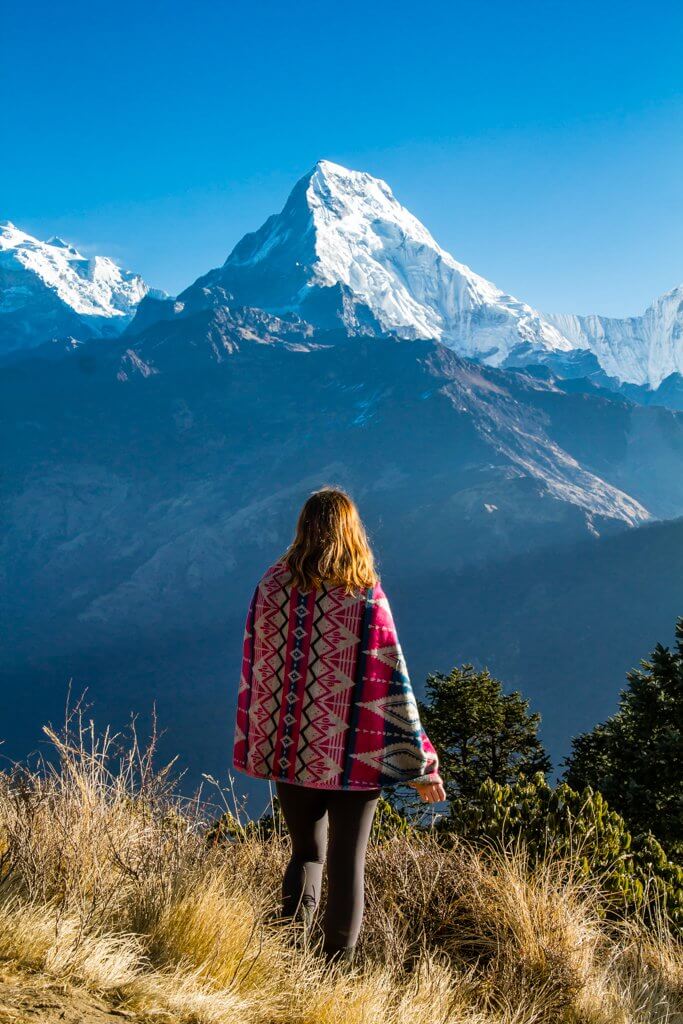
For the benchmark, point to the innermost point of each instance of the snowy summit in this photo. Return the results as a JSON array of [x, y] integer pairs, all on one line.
[[642, 349], [49, 290], [344, 248], [344, 252]]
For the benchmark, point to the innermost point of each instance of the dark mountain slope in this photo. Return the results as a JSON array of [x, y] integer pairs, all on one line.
[[148, 484], [563, 624]]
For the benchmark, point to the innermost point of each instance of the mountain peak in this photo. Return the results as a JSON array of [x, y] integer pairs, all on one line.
[[339, 176], [643, 350], [14, 237], [59, 243], [11, 235], [357, 197], [49, 290], [331, 168], [344, 252]]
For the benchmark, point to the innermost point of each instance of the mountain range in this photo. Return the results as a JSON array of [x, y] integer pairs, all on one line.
[[158, 449], [344, 252]]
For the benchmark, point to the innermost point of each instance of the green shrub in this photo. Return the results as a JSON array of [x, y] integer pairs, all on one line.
[[635, 871]]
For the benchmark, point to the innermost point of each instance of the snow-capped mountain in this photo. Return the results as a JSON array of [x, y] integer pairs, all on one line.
[[49, 290], [343, 253], [639, 349], [344, 250]]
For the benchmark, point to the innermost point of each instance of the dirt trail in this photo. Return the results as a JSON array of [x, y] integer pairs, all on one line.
[[27, 999]]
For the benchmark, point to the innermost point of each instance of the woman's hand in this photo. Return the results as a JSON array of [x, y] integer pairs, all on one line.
[[430, 792]]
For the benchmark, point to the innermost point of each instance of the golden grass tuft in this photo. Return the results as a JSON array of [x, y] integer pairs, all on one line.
[[41, 938], [108, 882]]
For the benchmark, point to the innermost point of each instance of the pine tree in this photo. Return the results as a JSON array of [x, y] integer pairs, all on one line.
[[635, 757], [480, 732]]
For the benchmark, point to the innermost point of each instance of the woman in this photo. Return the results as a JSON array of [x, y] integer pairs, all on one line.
[[326, 709]]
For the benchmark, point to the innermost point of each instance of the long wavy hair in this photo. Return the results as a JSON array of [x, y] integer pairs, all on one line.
[[330, 545]]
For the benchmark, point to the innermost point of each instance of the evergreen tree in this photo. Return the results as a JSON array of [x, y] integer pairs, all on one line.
[[635, 758], [480, 731]]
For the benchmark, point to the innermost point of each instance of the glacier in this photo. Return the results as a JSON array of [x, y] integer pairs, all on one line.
[[642, 349]]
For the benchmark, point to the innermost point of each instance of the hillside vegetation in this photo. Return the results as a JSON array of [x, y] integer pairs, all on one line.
[[110, 885]]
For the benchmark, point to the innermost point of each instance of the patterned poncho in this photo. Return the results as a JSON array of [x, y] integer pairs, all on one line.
[[324, 697]]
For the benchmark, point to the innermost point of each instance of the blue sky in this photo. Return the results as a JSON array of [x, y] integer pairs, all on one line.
[[541, 143]]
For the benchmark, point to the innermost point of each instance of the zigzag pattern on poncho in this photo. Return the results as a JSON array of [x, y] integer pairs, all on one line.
[[324, 698]]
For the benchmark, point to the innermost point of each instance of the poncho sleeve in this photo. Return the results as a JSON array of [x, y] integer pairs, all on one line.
[[430, 772], [388, 710]]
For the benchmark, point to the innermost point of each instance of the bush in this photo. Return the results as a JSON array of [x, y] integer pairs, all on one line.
[[558, 822]]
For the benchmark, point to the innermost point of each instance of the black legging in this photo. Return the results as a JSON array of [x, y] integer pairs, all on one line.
[[350, 813]]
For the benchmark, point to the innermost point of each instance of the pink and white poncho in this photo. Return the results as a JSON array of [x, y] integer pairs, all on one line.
[[324, 697]]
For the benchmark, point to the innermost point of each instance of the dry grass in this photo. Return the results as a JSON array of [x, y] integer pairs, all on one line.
[[107, 882]]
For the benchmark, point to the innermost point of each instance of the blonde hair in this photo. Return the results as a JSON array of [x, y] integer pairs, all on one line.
[[330, 545]]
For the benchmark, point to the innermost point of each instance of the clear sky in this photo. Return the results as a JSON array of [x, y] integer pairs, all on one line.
[[540, 142]]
